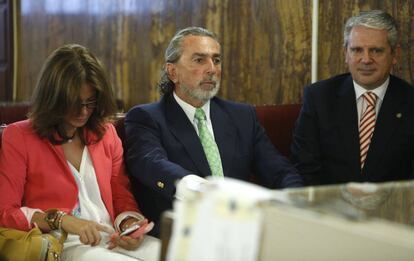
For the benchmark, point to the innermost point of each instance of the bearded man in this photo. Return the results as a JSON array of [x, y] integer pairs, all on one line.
[[190, 133]]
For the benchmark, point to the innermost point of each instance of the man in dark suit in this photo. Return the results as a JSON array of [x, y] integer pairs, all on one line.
[[162, 138], [358, 126]]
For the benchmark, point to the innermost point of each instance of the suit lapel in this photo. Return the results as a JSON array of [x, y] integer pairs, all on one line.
[[183, 130], [225, 134], [347, 120], [386, 123]]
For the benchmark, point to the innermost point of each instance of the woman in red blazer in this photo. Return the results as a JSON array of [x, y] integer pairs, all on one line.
[[63, 169]]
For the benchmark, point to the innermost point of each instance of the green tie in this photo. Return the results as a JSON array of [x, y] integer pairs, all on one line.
[[209, 145]]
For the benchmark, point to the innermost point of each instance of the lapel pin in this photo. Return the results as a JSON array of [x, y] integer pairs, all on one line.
[[398, 115]]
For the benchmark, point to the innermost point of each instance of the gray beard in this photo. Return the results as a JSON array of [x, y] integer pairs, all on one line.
[[200, 94]]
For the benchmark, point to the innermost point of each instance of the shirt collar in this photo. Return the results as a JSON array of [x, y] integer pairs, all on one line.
[[379, 91], [189, 109]]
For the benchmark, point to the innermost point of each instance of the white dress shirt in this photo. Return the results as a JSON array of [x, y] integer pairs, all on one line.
[[90, 204], [360, 101], [189, 110], [91, 207]]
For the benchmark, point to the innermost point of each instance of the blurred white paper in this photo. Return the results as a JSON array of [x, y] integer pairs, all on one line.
[[223, 222]]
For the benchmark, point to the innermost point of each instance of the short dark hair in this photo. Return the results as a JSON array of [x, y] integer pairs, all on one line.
[[174, 52], [57, 90]]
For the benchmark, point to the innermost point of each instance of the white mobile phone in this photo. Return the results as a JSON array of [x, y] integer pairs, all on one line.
[[130, 229]]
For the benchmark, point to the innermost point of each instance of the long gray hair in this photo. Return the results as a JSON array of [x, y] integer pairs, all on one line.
[[174, 52]]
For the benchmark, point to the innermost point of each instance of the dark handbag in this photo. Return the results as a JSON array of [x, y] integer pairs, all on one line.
[[17, 245]]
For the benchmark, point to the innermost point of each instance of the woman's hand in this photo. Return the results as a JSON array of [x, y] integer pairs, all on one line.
[[125, 242], [132, 240], [88, 231]]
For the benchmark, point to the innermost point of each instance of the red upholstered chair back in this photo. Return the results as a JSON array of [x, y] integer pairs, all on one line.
[[279, 122], [12, 112], [1, 132], [120, 127]]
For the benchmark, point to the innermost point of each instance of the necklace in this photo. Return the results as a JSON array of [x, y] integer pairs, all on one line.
[[70, 139]]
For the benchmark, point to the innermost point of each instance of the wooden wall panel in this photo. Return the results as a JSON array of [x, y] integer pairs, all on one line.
[[267, 51], [266, 43], [6, 50], [332, 17]]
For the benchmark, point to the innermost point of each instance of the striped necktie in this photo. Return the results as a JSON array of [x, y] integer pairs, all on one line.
[[367, 125], [209, 145]]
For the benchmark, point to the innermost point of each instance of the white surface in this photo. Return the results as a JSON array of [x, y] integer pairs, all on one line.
[[221, 222]]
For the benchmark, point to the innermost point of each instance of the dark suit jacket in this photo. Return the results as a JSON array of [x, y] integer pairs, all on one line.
[[162, 146], [326, 139]]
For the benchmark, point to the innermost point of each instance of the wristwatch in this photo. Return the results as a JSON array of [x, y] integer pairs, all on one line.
[[54, 218]]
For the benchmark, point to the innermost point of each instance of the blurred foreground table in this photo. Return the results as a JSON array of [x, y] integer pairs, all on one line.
[[342, 222]]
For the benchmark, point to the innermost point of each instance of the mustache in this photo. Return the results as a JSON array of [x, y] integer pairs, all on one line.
[[211, 79]]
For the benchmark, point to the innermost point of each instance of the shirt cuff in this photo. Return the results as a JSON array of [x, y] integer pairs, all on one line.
[[188, 186], [28, 213]]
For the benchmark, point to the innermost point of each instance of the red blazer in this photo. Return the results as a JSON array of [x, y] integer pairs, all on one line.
[[34, 173]]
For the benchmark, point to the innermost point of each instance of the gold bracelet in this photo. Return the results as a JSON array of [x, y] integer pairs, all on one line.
[[52, 218], [60, 220], [59, 216]]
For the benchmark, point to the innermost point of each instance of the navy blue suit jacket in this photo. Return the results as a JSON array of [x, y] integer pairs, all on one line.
[[162, 146], [325, 146]]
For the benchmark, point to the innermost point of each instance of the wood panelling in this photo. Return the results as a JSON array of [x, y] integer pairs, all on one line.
[[6, 50], [266, 43]]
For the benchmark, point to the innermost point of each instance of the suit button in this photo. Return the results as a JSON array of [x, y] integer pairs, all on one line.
[[160, 184]]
